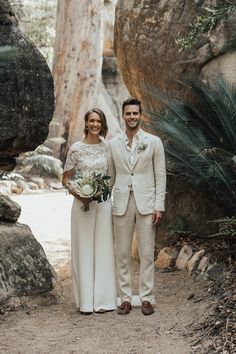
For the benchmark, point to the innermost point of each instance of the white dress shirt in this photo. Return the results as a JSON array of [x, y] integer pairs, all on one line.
[[133, 150]]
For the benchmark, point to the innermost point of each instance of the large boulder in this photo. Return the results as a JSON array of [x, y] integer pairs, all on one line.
[[27, 93], [156, 46], [24, 268]]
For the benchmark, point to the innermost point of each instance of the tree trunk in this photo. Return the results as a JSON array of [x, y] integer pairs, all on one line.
[[77, 65], [77, 62]]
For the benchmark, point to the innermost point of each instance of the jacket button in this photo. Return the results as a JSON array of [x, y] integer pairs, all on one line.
[[132, 174]]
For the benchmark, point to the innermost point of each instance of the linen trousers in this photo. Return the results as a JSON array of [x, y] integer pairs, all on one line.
[[123, 231], [92, 257]]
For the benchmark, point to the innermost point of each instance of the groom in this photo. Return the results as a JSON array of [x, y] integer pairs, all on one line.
[[137, 170]]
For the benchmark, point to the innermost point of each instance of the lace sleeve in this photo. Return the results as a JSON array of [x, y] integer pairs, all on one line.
[[72, 158]]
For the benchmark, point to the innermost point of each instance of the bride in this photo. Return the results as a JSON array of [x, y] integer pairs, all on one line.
[[92, 259]]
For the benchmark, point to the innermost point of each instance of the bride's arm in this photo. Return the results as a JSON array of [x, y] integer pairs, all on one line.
[[66, 176]]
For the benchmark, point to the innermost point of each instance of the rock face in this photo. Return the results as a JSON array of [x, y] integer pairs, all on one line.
[[26, 97], [9, 210], [148, 38], [24, 268]]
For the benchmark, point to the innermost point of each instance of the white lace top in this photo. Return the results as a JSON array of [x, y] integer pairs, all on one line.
[[87, 157]]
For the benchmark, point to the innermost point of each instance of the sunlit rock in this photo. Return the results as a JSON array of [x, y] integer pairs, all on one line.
[[194, 261], [155, 48], [183, 257], [166, 257]]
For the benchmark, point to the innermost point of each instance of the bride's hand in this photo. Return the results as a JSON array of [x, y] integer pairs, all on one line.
[[85, 201]]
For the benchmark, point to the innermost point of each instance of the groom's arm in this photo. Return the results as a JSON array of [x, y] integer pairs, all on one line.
[[159, 168], [111, 166]]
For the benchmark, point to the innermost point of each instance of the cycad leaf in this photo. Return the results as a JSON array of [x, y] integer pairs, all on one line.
[[200, 139]]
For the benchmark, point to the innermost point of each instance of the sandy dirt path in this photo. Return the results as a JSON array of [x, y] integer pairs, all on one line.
[[61, 329]]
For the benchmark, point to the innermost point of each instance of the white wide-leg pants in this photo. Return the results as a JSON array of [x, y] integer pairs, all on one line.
[[123, 230], [92, 259]]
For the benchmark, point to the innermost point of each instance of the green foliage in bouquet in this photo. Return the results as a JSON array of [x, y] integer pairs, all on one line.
[[103, 190], [200, 139]]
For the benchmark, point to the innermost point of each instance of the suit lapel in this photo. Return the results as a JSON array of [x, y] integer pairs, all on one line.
[[143, 139], [123, 151]]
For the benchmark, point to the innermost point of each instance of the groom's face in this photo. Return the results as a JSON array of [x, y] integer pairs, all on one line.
[[132, 117]]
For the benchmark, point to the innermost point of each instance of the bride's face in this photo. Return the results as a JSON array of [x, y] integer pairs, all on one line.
[[94, 124]]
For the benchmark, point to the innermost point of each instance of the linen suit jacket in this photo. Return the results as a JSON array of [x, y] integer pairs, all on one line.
[[147, 176]]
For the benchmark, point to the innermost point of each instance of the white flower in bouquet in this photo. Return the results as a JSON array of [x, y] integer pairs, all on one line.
[[84, 185], [90, 185], [87, 189]]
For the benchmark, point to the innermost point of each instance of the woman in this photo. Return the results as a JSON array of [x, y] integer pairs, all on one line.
[[93, 273]]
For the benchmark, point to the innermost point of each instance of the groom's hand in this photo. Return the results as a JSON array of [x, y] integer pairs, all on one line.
[[156, 217]]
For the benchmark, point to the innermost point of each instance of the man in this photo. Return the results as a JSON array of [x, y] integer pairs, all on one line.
[[137, 170]]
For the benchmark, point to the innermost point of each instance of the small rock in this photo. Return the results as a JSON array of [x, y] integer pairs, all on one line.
[[5, 188], [184, 255], [166, 257], [32, 186], [39, 181], [9, 210], [214, 271], [23, 185], [17, 190], [56, 185], [194, 261], [203, 264], [13, 185]]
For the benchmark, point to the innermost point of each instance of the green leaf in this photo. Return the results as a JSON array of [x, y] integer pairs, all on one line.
[[201, 138]]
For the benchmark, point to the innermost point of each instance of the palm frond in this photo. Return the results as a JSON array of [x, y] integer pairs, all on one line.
[[201, 138]]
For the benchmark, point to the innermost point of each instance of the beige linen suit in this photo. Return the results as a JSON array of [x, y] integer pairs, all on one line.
[[138, 190]]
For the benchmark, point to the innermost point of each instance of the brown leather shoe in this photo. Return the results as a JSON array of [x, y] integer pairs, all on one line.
[[124, 308], [147, 308]]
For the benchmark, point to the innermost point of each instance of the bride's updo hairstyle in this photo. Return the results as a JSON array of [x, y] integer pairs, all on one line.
[[104, 127]]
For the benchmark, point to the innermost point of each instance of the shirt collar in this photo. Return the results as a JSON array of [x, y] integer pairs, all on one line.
[[138, 136]]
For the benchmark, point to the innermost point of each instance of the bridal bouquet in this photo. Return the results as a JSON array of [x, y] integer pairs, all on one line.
[[91, 185]]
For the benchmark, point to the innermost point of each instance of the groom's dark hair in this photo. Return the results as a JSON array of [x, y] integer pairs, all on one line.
[[131, 101]]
